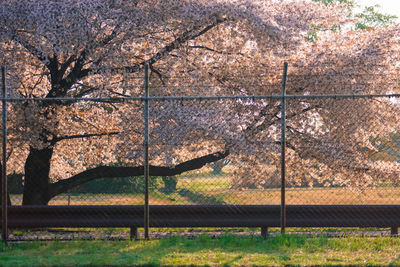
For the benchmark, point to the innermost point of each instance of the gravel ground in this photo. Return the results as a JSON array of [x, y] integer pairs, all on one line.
[[111, 234]]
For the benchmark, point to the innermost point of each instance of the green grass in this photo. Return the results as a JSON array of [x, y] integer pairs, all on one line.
[[203, 250]]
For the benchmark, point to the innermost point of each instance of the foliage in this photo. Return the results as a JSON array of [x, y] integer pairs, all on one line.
[[330, 2], [169, 184], [98, 48], [371, 18], [218, 165]]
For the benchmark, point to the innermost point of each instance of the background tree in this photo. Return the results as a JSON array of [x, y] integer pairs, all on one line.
[[98, 49], [371, 18], [218, 165]]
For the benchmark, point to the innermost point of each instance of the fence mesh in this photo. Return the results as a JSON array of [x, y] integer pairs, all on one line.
[[185, 132], [86, 136], [343, 151], [205, 151]]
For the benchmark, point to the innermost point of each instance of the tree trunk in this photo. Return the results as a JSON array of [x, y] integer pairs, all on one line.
[[1, 190], [37, 169]]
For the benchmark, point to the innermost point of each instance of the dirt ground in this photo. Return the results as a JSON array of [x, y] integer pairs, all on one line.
[[124, 234]]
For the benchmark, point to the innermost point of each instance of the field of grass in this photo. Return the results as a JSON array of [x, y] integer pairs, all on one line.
[[203, 250], [203, 188], [191, 195]]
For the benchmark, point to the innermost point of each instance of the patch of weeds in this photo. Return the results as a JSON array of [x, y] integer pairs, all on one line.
[[283, 258], [333, 259], [315, 244], [285, 241]]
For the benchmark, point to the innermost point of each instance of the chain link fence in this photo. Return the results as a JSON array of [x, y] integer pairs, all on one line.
[[340, 150], [343, 151]]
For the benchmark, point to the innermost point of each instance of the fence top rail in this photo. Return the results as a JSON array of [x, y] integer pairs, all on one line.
[[182, 98]]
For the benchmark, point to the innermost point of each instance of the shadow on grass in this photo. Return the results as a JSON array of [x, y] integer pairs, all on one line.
[[199, 198]]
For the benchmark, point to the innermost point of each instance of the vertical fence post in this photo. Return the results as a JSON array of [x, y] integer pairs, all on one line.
[[146, 151], [4, 199], [283, 149]]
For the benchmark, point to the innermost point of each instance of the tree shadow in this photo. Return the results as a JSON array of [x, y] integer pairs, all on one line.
[[199, 198]]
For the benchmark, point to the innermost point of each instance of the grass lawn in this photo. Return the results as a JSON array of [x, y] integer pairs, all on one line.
[[217, 189], [203, 250]]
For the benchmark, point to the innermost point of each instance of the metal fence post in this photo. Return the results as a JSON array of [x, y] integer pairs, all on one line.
[[283, 149], [146, 151], [4, 226]]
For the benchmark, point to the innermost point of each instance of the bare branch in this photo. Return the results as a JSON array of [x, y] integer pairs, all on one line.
[[213, 50], [158, 74]]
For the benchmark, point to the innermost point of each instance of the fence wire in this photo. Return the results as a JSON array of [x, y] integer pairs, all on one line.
[[85, 136], [343, 151], [189, 130], [340, 150]]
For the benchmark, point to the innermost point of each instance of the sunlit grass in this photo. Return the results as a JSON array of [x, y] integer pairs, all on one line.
[[203, 250]]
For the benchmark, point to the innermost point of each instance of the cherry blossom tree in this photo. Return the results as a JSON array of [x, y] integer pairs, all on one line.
[[82, 49]]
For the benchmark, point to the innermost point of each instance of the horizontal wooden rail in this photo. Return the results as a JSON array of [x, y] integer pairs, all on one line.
[[205, 216]]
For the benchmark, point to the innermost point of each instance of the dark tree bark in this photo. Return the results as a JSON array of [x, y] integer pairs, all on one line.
[[36, 184]]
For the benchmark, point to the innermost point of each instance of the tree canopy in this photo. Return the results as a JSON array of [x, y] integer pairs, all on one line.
[[98, 48]]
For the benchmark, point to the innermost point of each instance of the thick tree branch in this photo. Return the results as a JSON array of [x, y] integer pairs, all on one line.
[[114, 172], [66, 64], [186, 36], [77, 72], [61, 86], [60, 138]]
